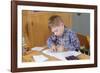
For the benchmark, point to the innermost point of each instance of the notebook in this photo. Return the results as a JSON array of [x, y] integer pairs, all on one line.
[[40, 58]]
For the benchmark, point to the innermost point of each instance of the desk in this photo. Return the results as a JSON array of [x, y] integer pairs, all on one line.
[[28, 57]]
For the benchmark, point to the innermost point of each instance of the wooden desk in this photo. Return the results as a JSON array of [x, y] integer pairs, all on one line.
[[28, 56]]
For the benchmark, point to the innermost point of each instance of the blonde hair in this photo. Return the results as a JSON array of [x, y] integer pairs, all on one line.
[[54, 21]]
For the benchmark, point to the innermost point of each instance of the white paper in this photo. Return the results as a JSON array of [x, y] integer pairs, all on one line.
[[40, 58], [38, 48], [61, 55]]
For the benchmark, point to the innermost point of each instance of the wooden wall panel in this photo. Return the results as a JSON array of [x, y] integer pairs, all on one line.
[[35, 24]]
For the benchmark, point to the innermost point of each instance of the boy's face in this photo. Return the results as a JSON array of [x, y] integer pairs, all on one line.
[[58, 30]]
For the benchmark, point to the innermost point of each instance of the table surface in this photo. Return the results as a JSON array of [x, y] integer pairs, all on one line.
[[28, 56]]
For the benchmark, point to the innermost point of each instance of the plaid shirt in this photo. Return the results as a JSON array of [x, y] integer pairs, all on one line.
[[68, 39]]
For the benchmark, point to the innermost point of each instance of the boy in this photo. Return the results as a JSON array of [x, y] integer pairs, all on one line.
[[62, 39]]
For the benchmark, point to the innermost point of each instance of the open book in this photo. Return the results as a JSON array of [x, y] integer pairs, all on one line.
[[61, 55]]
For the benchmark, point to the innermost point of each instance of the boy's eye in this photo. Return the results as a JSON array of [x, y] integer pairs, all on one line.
[[56, 30]]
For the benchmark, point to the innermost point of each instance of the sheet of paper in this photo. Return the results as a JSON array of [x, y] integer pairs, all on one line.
[[40, 58], [38, 48], [61, 55]]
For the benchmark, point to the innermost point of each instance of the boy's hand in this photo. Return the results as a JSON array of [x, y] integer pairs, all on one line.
[[60, 48], [53, 48]]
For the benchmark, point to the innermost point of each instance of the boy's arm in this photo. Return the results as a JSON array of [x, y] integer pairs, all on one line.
[[51, 44], [74, 41]]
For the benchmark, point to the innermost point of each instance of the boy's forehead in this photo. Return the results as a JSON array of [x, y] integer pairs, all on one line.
[[56, 27]]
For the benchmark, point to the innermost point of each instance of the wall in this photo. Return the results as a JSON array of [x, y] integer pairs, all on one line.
[[81, 23], [5, 38]]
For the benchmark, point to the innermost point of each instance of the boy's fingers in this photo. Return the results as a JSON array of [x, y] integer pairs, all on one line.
[[54, 49]]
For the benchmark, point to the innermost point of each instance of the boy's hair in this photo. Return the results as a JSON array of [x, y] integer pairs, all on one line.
[[54, 21]]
